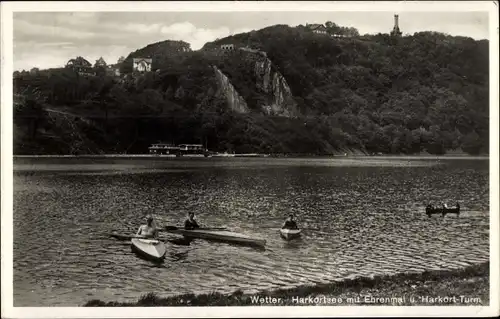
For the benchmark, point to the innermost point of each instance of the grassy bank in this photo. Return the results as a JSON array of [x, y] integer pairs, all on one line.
[[405, 289]]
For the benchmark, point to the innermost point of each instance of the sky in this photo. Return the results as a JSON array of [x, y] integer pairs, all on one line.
[[50, 39]]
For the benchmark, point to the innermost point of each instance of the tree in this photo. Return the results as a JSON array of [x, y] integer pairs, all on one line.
[[179, 93], [472, 143], [30, 112], [435, 143]]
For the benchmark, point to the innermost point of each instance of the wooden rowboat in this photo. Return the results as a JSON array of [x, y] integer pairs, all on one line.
[[431, 210]]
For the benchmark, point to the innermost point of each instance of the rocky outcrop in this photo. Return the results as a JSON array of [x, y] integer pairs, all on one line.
[[234, 100], [272, 82], [263, 74]]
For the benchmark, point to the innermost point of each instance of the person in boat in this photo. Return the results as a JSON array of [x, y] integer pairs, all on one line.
[[190, 222], [149, 230], [290, 223]]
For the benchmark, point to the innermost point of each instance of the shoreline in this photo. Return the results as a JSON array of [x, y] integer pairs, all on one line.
[[466, 286], [260, 156]]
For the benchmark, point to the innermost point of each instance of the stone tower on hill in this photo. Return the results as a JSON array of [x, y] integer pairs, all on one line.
[[395, 30]]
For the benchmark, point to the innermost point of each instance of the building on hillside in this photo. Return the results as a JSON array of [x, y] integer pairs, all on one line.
[[227, 47], [113, 70], [80, 65], [184, 48], [142, 64], [256, 51], [316, 28], [78, 62], [100, 63], [395, 30]]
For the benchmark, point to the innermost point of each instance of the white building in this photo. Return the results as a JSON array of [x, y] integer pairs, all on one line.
[[142, 64]]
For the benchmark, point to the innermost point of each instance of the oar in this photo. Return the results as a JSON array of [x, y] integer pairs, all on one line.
[[124, 237]]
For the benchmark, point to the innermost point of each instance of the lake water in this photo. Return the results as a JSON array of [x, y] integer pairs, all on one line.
[[361, 217]]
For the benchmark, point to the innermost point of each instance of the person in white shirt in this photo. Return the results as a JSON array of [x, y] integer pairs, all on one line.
[[149, 230]]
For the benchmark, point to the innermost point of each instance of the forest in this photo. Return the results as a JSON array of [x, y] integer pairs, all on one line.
[[375, 94]]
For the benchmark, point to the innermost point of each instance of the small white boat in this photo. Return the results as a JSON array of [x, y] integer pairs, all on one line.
[[290, 233], [151, 249], [223, 155], [193, 155]]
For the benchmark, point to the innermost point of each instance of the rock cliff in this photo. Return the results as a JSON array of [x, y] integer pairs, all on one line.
[[234, 100], [271, 81]]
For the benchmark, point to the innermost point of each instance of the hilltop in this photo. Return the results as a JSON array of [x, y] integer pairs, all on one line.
[[275, 90]]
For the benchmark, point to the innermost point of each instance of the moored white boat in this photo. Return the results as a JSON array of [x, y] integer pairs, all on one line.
[[222, 155], [193, 155]]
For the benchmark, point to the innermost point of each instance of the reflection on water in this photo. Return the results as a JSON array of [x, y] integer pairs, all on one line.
[[357, 220]]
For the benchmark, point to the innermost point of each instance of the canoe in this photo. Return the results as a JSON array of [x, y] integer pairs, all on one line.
[[151, 249], [220, 235], [290, 233]]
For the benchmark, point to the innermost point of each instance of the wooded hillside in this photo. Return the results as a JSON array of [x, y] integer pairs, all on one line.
[[425, 92]]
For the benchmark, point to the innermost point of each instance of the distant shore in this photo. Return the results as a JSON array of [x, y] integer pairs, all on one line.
[[468, 286]]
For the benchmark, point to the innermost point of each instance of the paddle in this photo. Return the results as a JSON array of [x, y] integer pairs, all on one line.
[[279, 227], [201, 228], [177, 241]]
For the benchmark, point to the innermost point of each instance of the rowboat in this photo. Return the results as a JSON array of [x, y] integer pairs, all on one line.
[[431, 210], [220, 235], [151, 249], [290, 233]]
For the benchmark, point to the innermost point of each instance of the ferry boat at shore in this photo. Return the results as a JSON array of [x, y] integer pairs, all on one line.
[[192, 150], [164, 149], [182, 150]]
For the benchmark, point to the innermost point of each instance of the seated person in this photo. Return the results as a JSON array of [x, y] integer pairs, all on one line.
[[190, 222], [149, 230], [290, 223]]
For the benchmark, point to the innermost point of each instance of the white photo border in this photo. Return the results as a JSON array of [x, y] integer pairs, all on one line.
[[7, 309]]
